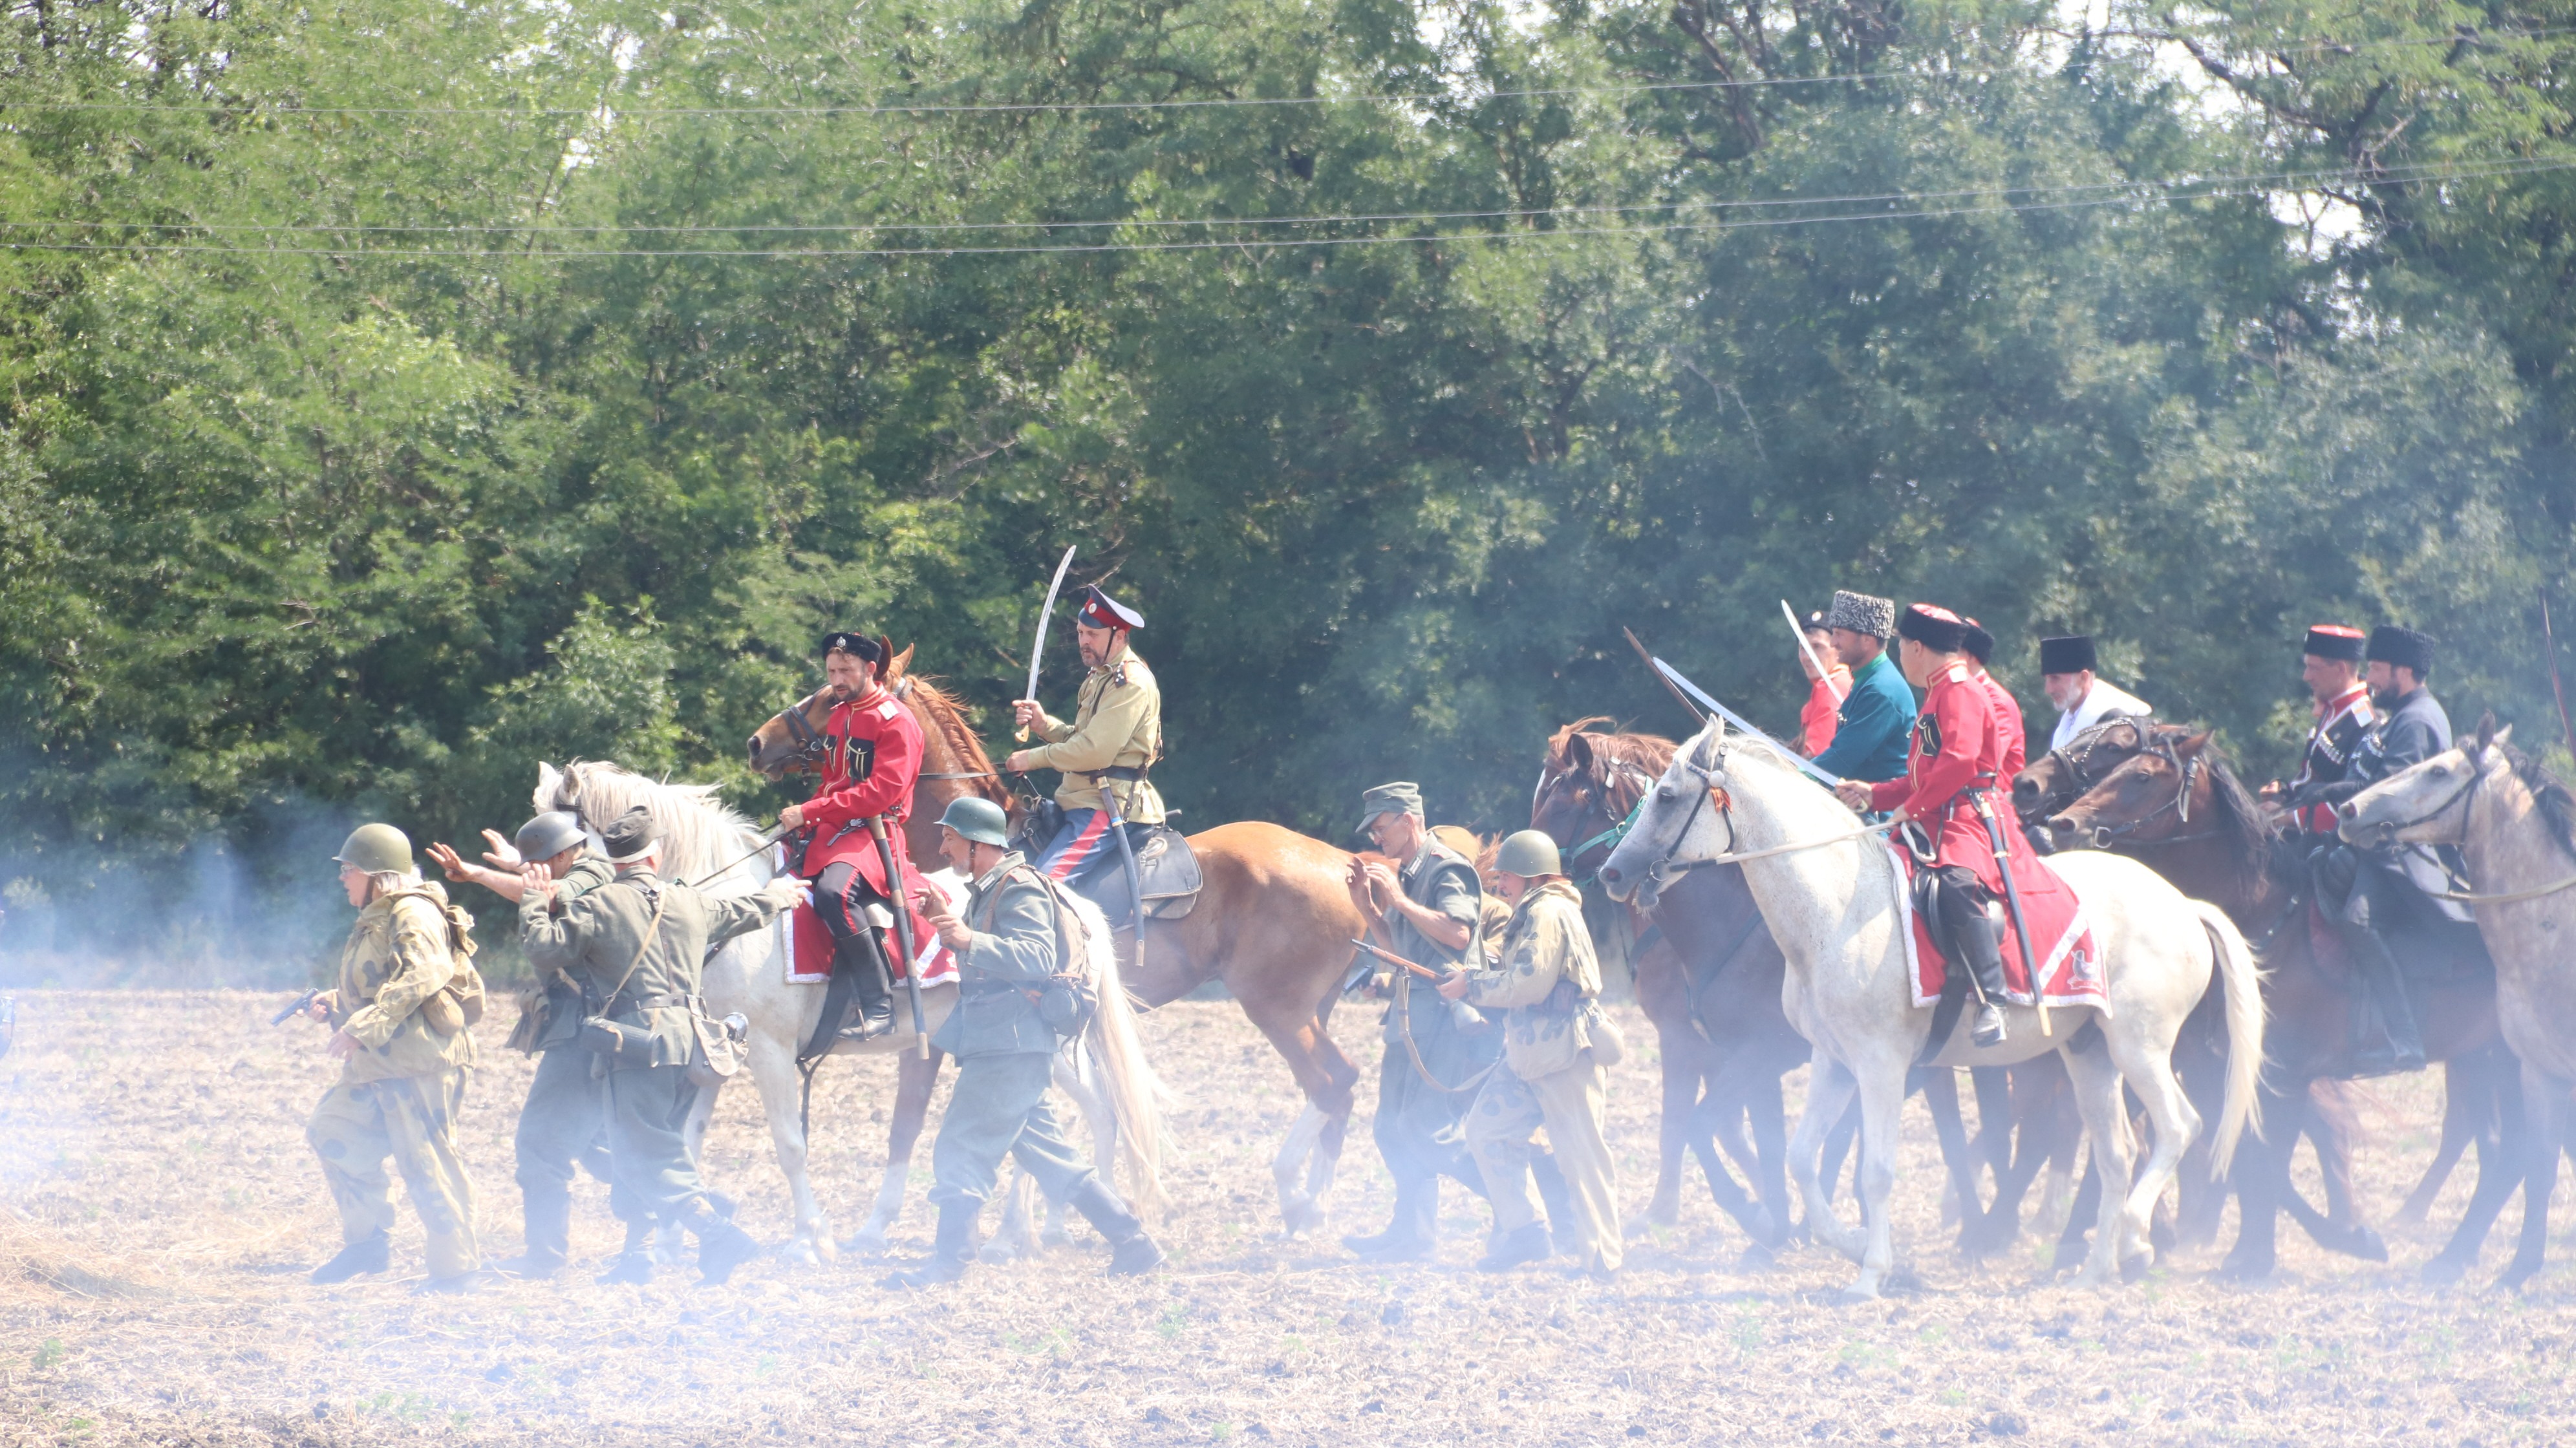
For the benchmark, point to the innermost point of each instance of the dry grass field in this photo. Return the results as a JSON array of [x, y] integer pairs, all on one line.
[[160, 1208]]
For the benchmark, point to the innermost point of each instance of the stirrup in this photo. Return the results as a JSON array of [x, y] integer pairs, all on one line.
[[866, 1028], [1989, 1028]]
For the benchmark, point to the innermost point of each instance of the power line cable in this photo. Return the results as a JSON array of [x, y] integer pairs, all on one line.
[[1223, 102], [1235, 243]]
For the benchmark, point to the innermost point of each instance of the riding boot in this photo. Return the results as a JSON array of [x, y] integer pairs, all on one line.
[[1404, 1239], [2399, 1043], [548, 1213], [870, 1012], [950, 1255], [722, 1246], [1973, 939], [1131, 1252]]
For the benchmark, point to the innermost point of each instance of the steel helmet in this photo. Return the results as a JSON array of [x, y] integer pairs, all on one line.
[[376, 849], [1530, 853], [979, 820], [549, 835]]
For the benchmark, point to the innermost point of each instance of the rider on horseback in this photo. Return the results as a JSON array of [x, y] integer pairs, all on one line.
[[2369, 894], [1115, 736], [871, 758], [1957, 754]]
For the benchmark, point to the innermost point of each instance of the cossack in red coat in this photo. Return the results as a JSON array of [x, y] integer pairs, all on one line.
[[1958, 744], [871, 760]]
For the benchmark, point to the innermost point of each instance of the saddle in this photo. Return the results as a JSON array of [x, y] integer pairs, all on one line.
[[1167, 874]]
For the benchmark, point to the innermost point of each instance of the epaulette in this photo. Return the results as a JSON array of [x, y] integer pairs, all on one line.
[[1118, 675]]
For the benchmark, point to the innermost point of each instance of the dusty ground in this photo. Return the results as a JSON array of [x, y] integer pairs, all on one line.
[[160, 1208]]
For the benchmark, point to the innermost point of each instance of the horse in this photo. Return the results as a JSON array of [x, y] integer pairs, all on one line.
[[1707, 976], [1274, 921], [2516, 828], [709, 846], [1828, 888], [953, 766], [2231, 877], [2179, 806]]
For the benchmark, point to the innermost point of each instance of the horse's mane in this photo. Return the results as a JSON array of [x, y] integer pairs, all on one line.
[[1650, 753], [947, 714], [2249, 836], [2557, 802], [698, 831]]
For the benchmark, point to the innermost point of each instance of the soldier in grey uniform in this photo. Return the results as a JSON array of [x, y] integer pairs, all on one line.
[[1432, 904], [563, 1123], [1010, 945], [637, 946]]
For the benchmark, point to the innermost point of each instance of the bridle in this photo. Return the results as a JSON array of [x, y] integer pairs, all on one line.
[[2188, 770], [1609, 839], [2389, 831], [2075, 757]]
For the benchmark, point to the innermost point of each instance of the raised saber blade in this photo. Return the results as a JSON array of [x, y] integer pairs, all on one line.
[[1798, 631], [1805, 766], [1037, 648]]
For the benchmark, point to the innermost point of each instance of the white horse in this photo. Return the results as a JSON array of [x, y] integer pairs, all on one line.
[[1104, 1070], [1828, 889], [2516, 828]]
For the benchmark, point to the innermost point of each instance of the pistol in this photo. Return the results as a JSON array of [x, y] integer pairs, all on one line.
[[296, 1009]]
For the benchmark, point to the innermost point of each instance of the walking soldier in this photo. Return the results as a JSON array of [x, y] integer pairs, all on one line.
[[637, 946], [562, 1124], [405, 995], [1012, 944], [1556, 1048], [1431, 904], [871, 760], [1104, 754]]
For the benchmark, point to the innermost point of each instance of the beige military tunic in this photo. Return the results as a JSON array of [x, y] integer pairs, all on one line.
[[398, 1096], [1117, 724], [1548, 986]]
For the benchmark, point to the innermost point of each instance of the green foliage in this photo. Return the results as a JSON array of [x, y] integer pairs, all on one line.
[[540, 439]]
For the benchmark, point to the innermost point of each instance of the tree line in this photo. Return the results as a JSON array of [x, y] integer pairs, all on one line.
[[399, 393]]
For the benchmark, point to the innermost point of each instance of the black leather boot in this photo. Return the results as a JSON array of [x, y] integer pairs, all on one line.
[[952, 1253], [870, 1012], [1406, 1238], [1131, 1252], [547, 1209], [1531, 1243], [2398, 1043], [367, 1254], [1974, 939], [722, 1246]]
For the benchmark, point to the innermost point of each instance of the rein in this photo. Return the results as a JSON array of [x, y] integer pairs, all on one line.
[[2106, 836], [1666, 868]]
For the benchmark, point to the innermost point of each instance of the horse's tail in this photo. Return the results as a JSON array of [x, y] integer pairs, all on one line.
[[1136, 1094], [2242, 980]]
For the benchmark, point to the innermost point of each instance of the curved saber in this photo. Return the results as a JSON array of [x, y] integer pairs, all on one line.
[[1805, 766], [1037, 648]]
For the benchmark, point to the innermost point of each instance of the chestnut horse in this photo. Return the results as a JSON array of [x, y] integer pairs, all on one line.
[[1708, 976], [1274, 922], [2178, 806]]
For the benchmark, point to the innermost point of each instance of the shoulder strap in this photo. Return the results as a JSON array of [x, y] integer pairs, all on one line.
[[652, 929]]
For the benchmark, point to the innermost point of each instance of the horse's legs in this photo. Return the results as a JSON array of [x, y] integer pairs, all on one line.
[[1304, 1168], [2331, 1126], [2545, 1113], [1712, 1120], [2145, 1063], [1882, 1110], [1679, 1126], [772, 1063], [914, 1076], [2262, 1177], [1941, 1093], [2106, 1128], [2524, 1112], [1829, 1089], [1771, 1148], [2468, 1114], [1837, 1146]]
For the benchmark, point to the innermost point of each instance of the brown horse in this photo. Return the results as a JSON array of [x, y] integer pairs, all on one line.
[[1708, 977], [2329, 1117], [1274, 923], [2177, 805]]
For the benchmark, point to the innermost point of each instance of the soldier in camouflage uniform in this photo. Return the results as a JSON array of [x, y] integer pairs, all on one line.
[[563, 1123], [1009, 946], [404, 1051], [637, 946]]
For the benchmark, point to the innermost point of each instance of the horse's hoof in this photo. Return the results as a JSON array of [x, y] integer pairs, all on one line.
[[998, 1254], [867, 1242], [1301, 1218], [2513, 1277], [1861, 1291], [1755, 1258], [801, 1252], [2444, 1270], [2366, 1245], [2245, 1269], [1055, 1237], [2136, 1268]]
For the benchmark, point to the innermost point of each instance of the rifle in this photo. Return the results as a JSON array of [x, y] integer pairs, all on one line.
[[912, 965], [296, 1009], [1400, 963]]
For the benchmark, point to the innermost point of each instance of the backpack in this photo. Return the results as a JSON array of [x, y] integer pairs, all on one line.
[[458, 1004], [1070, 998]]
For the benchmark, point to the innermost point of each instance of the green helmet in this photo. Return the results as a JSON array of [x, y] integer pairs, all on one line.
[[979, 820], [376, 849], [1530, 853]]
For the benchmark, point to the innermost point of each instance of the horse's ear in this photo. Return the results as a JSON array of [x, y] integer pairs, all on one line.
[[1578, 754], [2486, 732], [2502, 736], [548, 777], [2190, 745], [902, 661]]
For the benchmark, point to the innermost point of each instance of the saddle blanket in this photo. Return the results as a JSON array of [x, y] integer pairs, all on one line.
[[810, 959], [2070, 960]]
